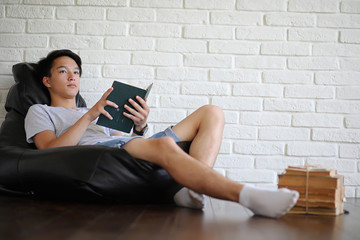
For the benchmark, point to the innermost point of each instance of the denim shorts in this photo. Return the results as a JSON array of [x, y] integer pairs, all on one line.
[[120, 141]]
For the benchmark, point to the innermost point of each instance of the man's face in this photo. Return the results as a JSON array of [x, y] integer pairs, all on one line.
[[64, 80]]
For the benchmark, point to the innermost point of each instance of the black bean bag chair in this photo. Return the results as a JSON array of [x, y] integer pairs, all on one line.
[[90, 173]]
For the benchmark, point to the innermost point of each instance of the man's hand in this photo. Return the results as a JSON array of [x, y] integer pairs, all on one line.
[[140, 114], [98, 108]]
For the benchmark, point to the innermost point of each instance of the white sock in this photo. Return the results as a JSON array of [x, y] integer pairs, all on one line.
[[268, 202], [190, 199]]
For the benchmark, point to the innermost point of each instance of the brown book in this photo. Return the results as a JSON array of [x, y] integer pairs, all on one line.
[[318, 194], [317, 210], [311, 170], [312, 181]]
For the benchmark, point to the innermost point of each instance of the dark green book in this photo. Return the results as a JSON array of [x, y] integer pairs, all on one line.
[[120, 95]]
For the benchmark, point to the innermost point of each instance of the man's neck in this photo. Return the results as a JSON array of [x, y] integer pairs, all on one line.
[[65, 103]]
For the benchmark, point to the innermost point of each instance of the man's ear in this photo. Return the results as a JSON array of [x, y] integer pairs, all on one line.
[[46, 81]]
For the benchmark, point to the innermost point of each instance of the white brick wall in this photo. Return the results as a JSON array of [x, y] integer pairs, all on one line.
[[285, 72]]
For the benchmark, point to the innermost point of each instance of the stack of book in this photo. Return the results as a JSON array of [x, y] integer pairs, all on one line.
[[321, 190]]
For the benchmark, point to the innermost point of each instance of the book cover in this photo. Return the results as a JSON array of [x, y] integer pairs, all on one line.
[[120, 95]]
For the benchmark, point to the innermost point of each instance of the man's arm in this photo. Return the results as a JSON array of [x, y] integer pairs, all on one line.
[[48, 139]]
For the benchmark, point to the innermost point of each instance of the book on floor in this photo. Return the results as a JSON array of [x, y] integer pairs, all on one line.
[[120, 95], [321, 190]]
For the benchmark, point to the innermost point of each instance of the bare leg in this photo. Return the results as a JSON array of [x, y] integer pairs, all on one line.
[[193, 174], [204, 128]]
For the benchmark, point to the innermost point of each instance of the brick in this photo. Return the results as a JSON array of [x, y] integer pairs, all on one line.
[[182, 101], [129, 43], [120, 3], [265, 119], [251, 176], [5, 69], [289, 105], [95, 84], [349, 36], [50, 26], [259, 90], [339, 50], [128, 72], [232, 131], [157, 59], [34, 55], [157, 3], [206, 88], [350, 6], [317, 120], [259, 147], [348, 92], [12, 26], [24, 41], [80, 13], [290, 19], [166, 115], [91, 71], [284, 134], [207, 60], [14, 55], [337, 78], [181, 16], [210, 4], [350, 151], [287, 49], [237, 103], [236, 18], [311, 149], [131, 14], [234, 161], [49, 2], [6, 81], [155, 30], [104, 57], [317, 92], [231, 117], [76, 42], [29, 12], [244, 76], [313, 6], [234, 47], [345, 165], [352, 121], [351, 64], [313, 63], [161, 87], [339, 20], [332, 106], [181, 46], [313, 35], [277, 163], [260, 62], [325, 162], [288, 77], [209, 32], [261, 33], [336, 135], [352, 179], [262, 5], [182, 73], [100, 28]]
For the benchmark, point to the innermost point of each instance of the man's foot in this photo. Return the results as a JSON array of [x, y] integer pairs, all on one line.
[[190, 199], [268, 202]]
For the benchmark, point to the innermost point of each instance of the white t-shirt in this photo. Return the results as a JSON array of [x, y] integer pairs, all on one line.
[[58, 119]]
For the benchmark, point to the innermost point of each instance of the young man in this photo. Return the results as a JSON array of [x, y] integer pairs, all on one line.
[[63, 124]]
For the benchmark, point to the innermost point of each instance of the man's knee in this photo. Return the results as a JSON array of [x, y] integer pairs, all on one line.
[[215, 112]]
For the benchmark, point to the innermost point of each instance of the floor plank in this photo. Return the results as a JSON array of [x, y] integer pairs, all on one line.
[[26, 218]]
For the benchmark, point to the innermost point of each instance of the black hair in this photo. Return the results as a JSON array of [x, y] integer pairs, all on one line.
[[45, 64]]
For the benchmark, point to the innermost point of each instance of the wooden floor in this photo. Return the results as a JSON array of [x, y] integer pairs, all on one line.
[[24, 218]]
